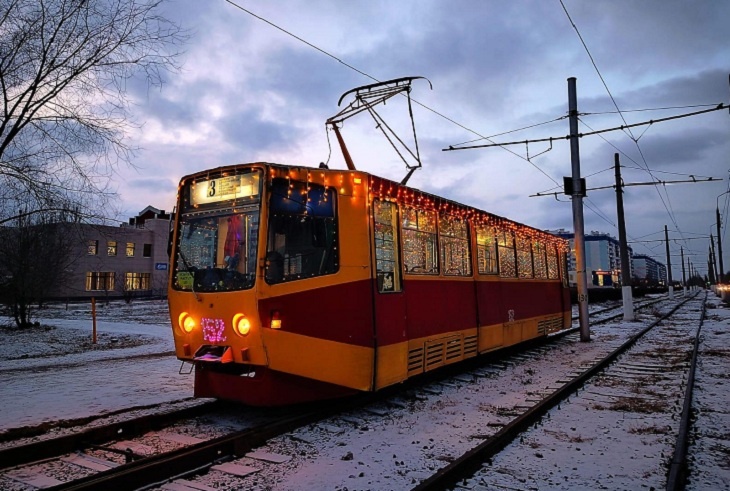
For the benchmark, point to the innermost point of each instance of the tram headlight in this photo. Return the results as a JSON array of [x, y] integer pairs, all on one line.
[[186, 323], [241, 324]]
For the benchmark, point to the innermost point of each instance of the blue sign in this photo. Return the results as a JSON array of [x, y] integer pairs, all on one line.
[[161, 266]]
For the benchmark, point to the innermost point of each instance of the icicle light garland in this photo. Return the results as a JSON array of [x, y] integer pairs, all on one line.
[[386, 190]]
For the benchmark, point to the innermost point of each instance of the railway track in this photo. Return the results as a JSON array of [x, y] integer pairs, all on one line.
[[647, 381], [280, 437]]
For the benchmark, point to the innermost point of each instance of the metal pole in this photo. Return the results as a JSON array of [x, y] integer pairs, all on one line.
[[669, 265], [719, 246], [684, 275], [93, 320], [628, 298], [712, 258], [578, 236]]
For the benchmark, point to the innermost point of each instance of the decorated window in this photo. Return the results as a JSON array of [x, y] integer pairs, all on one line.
[[524, 258], [420, 252], [130, 249], [386, 246], [486, 250], [454, 240], [552, 262], [92, 247], [506, 247], [111, 248], [539, 260]]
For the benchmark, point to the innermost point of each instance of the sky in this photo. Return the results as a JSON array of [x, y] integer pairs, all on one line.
[[251, 91]]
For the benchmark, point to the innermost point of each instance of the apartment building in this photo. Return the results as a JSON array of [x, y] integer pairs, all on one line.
[[603, 258]]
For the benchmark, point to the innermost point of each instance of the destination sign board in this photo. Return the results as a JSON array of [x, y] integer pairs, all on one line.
[[227, 188]]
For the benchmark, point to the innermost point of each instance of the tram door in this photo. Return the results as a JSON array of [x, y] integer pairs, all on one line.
[[391, 356]]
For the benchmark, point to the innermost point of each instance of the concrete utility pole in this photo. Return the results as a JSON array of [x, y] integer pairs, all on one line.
[[578, 193], [669, 265], [684, 276], [628, 298], [719, 246]]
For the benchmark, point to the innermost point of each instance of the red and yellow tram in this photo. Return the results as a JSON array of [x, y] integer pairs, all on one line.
[[292, 284]]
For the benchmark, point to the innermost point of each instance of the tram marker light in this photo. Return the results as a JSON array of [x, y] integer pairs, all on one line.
[[275, 320]]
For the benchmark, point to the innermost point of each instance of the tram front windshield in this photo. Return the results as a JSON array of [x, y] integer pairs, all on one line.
[[216, 247]]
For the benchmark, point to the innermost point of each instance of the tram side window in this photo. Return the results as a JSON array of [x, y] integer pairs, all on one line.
[[420, 251], [454, 240], [539, 260], [386, 246], [486, 250], [563, 261], [506, 245], [552, 262], [302, 241], [524, 257]]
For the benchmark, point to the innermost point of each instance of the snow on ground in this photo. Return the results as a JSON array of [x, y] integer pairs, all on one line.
[[53, 372]]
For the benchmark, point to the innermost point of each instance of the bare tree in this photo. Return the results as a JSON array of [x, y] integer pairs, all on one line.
[[36, 253], [64, 66]]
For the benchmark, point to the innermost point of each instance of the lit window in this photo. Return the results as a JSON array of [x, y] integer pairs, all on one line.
[[486, 250], [552, 263], [386, 246], [100, 281], [454, 240], [524, 257], [506, 247], [136, 281], [539, 260], [111, 248], [420, 252], [93, 247], [130, 249]]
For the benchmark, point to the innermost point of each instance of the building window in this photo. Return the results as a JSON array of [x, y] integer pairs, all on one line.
[[111, 248], [386, 246], [136, 281], [100, 281], [93, 247], [486, 250], [420, 252], [147, 250], [130, 249], [454, 240]]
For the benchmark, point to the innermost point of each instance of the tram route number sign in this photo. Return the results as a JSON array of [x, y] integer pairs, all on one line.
[[225, 188]]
